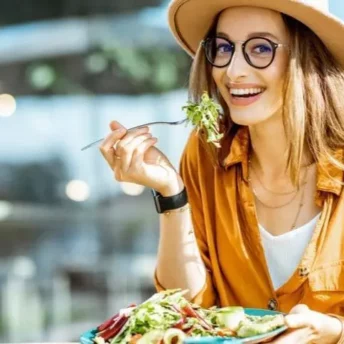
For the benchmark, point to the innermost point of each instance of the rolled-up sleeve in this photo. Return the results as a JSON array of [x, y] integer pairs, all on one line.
[[190, 165]]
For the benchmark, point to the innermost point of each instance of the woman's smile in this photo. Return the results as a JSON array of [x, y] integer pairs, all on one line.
[[245, 94]]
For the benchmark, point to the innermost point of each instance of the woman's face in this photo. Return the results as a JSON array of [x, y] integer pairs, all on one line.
[[250, 108]]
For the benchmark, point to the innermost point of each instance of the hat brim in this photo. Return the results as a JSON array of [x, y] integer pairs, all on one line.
[[190, 21]]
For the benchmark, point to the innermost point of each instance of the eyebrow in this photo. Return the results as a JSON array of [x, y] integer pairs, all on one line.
[[253, 34]]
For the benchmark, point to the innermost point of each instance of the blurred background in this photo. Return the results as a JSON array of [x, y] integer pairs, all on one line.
[[75, 245]]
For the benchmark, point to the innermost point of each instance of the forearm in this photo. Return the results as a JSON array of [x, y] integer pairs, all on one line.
[[179, 262]]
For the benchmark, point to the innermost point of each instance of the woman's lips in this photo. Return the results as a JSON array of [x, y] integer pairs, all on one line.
[[244, 101]]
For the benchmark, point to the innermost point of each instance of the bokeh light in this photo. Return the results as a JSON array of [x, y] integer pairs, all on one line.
[[24, 267], [78, 190], [7, 105], [132, 189], [6, 209], [42, 76]]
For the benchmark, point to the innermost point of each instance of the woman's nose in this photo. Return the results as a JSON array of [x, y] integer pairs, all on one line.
[[238, 67]]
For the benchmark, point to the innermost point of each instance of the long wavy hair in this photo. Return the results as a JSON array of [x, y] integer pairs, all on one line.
[[313, 106]]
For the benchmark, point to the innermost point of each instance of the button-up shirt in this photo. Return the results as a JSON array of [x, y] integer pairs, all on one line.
[[227, 233]]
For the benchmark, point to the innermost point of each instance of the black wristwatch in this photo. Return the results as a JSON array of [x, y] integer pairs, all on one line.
[[163, 204]]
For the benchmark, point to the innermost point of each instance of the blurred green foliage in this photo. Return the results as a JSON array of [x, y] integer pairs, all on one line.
[[111, 69]]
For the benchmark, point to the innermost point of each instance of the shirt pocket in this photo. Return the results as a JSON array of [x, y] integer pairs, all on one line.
[[326, 288]]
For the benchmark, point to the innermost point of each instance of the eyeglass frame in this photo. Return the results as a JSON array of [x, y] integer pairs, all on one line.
[[274, 45]]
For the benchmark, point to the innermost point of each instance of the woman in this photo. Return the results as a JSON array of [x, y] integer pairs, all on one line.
[[266, 225]]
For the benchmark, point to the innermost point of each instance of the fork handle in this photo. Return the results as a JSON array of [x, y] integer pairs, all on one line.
[[136, 127], [92, 144], [132, 128]]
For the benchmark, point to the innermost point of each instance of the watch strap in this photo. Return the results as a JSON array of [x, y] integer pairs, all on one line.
[[163, 204]]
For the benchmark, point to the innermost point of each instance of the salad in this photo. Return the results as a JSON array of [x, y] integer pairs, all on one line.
[[168, 318], [205, 115]]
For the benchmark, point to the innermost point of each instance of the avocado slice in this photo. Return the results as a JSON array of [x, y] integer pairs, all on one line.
[[230, 317], [260, 325]]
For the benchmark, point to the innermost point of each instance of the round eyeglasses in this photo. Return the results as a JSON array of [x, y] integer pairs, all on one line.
[[259, 52]]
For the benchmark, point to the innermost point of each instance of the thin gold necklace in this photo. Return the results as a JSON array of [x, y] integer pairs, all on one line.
[[268, 190], [293, 226], [301, 203], [303, 186]]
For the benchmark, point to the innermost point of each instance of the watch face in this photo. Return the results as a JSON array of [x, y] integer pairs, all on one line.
[[156, 201], [157, 205]]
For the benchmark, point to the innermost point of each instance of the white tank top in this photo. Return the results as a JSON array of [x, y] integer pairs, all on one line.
[[284, 252]]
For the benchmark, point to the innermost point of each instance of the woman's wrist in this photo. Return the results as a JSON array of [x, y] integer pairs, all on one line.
[[175, 187]]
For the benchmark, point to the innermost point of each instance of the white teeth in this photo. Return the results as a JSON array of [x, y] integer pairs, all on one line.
[[242, 91]]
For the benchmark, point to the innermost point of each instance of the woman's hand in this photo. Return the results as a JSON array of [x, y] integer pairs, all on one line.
[[134, 159], [306, 326]]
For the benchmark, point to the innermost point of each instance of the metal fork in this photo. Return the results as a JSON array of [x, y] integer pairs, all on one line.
[[137, 127]]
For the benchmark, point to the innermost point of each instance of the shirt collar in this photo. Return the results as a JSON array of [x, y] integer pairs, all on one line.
[[237, 148], [329, 177]]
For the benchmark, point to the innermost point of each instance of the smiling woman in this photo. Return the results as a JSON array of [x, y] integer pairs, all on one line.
[[267, 203], [293, 65], [258, 53]]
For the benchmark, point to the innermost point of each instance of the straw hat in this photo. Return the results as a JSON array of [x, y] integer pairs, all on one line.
[[190, 20]]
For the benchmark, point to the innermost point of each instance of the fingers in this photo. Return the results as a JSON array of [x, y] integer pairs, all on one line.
[[106, 147], [300, 316], [139, 153], [300, 336], [133, 171], [115, 125], [301, 308], [297, 320], [126, 151], [131, 150], [122, 146]]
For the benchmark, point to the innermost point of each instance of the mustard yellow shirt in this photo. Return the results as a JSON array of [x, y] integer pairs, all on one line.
[[226, 229]]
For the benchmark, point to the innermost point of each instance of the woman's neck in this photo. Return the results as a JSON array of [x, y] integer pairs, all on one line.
[[269, 147]]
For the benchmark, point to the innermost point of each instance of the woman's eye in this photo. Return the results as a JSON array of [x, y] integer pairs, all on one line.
[[262, 49], [224, 48]]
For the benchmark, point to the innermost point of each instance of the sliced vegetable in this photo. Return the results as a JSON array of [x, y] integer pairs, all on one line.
[[192, 313], [174, 336], [135, 339], [99, 340], [107, 323], [230, 317], [152, 337], [114, 329], [179, 324]]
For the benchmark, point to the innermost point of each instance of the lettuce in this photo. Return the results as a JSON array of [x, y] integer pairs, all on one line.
[[205, 115]]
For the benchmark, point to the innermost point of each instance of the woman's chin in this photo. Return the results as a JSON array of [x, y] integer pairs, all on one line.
[[248, 119]]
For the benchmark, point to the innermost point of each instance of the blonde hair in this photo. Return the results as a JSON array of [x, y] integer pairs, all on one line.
[[313, 106]]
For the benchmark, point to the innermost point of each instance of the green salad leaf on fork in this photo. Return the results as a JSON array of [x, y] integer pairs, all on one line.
[[205, 115]]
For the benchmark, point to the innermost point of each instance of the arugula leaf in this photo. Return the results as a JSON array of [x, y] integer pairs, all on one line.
[[147, 317], [205, 115]]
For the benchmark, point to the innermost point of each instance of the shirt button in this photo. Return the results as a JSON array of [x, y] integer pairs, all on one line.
[[303, 272], [272, 304]]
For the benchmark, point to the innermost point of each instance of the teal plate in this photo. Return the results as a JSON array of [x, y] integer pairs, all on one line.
[[87, 337]]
